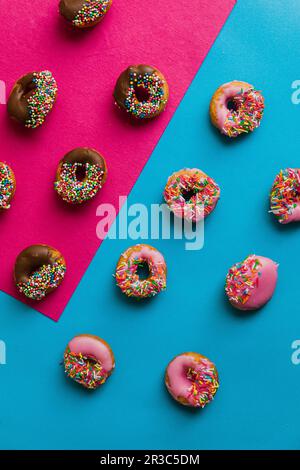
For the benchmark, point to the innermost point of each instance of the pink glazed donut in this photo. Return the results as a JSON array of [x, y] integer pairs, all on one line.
[[191, 194], [192, 379], [285, 196], [89, 361], [251, 283], [236, 108], [127, 276]]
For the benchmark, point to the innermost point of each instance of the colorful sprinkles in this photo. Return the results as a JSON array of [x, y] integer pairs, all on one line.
[[41, 101], [153, 85], [285, 194], [91, 11], [47, 277], [73, 190], [203, 194], [205, 383], [85, 370], [242, 277], [129, 281], [7, 185], [247, 113]]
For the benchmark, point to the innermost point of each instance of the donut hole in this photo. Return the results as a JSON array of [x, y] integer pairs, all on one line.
[[188, 194], [232, 104], [28, 88], [141, 94], [143, 270], [80, 172]]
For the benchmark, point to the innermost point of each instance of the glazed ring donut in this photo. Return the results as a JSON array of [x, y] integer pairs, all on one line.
[[7, 185], [84, 13], [80, 175], [39, 270], [32, 98], [89, 361], [142, 91], [236, 108], [127, 275], [191, 194], [192, 379], [251, 283], [285, 196]]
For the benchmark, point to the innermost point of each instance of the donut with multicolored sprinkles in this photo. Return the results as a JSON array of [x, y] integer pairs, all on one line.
[[250, 284], [7, 185], [84, 14], [80, 175], [32, 98], [142, 91], [192, 379], [236, 108], [39, 270], [191, 194], [285, 196], [127, 272], [89, 361]]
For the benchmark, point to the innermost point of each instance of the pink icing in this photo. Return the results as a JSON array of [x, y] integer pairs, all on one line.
[[294, 216], [147, 253], [264, 286], [89, 346], [229, 90], [178, 383]]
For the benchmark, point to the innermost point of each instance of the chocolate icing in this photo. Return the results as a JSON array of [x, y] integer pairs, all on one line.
[[33, 258], [17, 105], [85, 155], [70, 8], [122, 85]]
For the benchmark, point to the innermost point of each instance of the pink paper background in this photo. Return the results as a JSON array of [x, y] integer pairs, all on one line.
[[173, 35]]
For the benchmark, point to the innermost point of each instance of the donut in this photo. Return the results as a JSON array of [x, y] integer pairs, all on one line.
[[84, 13], [32, 98], [127, 272], [39, 270], [7, 185], [141, 91], [80, 175], [191, 194], [236, 108], [285, 196], [89, 361], [251, 283], [192, 379]]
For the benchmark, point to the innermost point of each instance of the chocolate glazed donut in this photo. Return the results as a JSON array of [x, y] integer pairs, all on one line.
[[142, 91], [39, 270], [84, 13], [32, 98], [80, 175]]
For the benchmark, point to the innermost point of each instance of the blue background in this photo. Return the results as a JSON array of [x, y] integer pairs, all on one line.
[[257, 405]]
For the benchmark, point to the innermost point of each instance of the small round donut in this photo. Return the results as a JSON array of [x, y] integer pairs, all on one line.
[[191, 194], [39, 270], [250, 284], [127, 276], [84, 14], [285, 196], [7, 185], [32, 98], [89, 361], [192, 379], [236, 108], [80, 175], [142, 91]]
